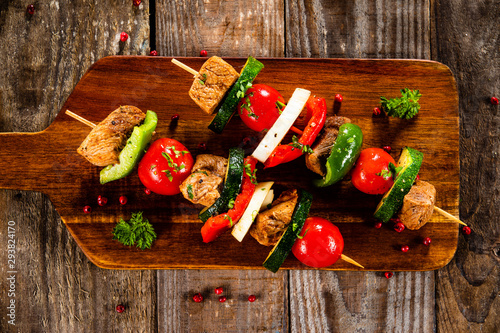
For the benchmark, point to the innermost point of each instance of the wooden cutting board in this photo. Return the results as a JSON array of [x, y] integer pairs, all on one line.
[[47, 161]]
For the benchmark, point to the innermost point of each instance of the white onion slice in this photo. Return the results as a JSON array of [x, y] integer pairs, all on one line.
[[282, 125], [241, 228]]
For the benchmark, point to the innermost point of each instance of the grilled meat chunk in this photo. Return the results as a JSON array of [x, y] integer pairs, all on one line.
[[270, 225], [316, 161], [213, 163], [203, 185], [104, 143], [418, 205], [215, 77]]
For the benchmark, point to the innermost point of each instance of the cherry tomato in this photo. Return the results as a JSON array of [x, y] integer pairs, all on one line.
[[165, 166], [260, 107], [371, 174], [320, 243]]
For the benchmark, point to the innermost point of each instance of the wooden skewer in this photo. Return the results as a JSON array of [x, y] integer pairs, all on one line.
[[185, 67], [296, 130], [448, 215], [80, 119], [349, 260]]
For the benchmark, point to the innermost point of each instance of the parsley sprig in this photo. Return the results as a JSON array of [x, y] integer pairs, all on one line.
[[405, 107], [136, 231]]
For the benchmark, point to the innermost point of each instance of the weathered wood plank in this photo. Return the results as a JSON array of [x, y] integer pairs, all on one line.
[[177, 312], [365, 301], [358, 29], [229, 29], [226, 28], [467, 290], [57, 288]]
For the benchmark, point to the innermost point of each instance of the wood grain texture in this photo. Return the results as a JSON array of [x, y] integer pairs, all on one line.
[[178, 312], [223, 28], [360, 301], [71, 182], [358, 29], [43, 57], [467, 290]]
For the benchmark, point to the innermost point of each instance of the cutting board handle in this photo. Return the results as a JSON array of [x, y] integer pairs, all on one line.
[[26, 160]]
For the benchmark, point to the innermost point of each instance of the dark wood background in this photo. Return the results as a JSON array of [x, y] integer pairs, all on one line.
[[58, 290]]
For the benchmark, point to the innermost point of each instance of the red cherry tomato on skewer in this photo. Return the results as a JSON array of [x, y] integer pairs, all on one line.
[[260, 107], [320, 243], [165, 166], [371, 173]]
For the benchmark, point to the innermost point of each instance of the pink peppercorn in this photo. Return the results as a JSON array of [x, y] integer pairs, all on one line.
[[198, 298], [466, 230], [30, 9], [203, 53], [123, 36]]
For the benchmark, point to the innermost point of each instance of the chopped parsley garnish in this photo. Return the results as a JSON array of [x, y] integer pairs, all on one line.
[[227, 217], [296, 144], [249, 173], [169, 174], [190, 191], [202, 81], [280, 106]]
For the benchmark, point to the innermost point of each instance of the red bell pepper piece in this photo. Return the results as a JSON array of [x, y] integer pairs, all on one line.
[[217, 225], [286, 153]]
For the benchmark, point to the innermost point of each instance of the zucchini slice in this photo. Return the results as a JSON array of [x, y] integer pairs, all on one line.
[[410, 162], [232, 185], [281, 250], [228, 105]]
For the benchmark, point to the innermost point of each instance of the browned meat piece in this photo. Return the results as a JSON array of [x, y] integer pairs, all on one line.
[[213, 163], [203, 185], [104, 143], [418, 205], [316, 161], [215, 77], [270, 225]]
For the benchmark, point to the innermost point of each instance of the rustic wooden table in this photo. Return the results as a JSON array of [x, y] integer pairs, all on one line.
[[57, 289]]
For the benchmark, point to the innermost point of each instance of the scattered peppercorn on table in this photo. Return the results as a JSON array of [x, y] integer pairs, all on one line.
[[230, 293]]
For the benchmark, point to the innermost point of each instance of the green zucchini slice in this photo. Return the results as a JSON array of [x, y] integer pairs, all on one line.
[[410, 162], [228, 105], [232, 185], [281, 250]]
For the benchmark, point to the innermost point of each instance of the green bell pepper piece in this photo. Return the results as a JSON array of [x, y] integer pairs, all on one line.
[[133, 150], [343, 155]]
